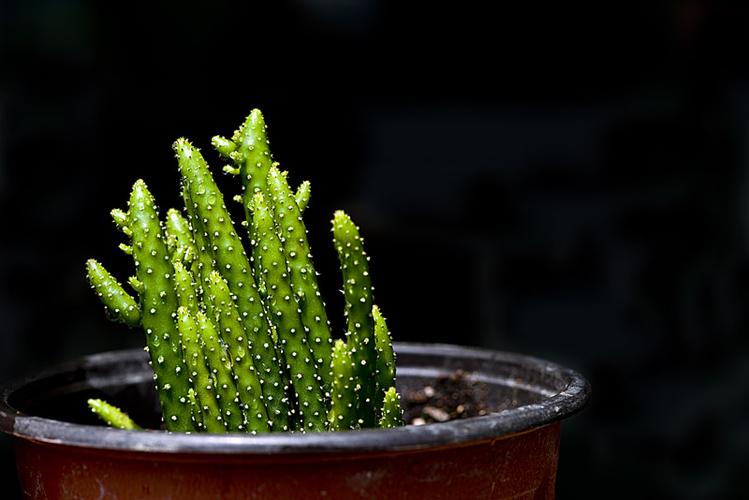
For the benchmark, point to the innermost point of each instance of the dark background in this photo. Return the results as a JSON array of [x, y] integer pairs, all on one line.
[[566, 181]]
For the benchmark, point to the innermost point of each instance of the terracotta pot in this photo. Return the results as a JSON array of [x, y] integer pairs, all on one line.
[[61, 452]]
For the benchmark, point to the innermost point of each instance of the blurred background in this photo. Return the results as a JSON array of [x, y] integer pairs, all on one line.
[[568, 182]]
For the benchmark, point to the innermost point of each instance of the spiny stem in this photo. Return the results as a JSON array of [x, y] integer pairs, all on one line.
[[113, 416], [249, 149], [357, 290], [249, 379], [185, 287], [303, 278], [200, 376], [392, 415], [120, 220], [195, 409], [283, 306], [204, 263], [159, 305], [221, 370], [302, 195], [385, 354], [210, 217], [178, 234], [342, 413], [118, 303]]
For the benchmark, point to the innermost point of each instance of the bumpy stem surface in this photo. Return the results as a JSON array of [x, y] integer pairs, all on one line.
[[302, 195], [211, 219], [392, 415], [159, 305], [357, 290], [221, 372], [385, 354], [118, 303], [342, 413], [283, 307], [200, 376], [184, 285], [303, 278], [249, 149], [239, 347], [113, 416], [178, 235]]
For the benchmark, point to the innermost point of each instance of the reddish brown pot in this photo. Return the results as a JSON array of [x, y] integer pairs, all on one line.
[[511, 453]]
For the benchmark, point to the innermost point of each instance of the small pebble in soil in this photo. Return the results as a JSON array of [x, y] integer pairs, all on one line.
[[436, 414], [449, 398]]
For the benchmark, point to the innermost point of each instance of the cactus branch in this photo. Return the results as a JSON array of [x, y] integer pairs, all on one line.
[[120, 220], [159, 304], [178, 235], [342, 413], [392, 415], [200, 376], [118, 303], [302, 195], [302, 271], [212, 219], [220, 368], [357, 289], [385, 354], [249, 379], [283, 306], [223, 146], [113, 416], [184, 285]]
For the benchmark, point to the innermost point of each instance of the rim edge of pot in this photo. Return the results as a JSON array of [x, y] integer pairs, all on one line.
[[568, 401]]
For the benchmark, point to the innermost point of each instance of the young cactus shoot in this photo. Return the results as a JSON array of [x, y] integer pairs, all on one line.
[[235, 325]]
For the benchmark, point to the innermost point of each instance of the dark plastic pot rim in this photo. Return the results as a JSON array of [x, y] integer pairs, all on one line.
[[552, 408]]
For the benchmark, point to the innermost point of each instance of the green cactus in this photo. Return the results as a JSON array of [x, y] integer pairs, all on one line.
[[113, 416], [342, 413], [241, 344], [283, 306], [249, 380], [195, 409], [209, 214], [392, 415], [249, 150], [385, 355], [302, 195], [204, 262], [178, 235], [154, 270], [220, 366], [187, 296], [303, 279], [119, 304], [190, 329], [357, 290]]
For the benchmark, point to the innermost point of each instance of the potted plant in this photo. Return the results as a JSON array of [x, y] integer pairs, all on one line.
[[256, 398]]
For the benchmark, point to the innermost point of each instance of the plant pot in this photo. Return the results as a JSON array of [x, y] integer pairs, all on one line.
[[61, 452]]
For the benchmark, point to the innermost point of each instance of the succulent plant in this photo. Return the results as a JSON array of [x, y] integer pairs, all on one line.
[[239, 340], [113, 416]]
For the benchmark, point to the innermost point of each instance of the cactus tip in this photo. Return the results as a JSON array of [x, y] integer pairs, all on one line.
[[256, 115], [340, 219]]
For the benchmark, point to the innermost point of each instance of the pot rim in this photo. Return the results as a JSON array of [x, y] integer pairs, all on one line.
[[571, 399]]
